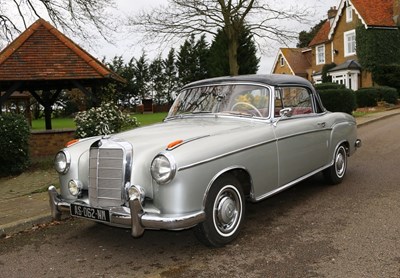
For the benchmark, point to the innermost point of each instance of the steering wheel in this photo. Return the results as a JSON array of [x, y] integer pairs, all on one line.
[[248, 104]]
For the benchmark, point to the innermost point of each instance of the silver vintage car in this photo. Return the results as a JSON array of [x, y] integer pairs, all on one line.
[[225, 141]]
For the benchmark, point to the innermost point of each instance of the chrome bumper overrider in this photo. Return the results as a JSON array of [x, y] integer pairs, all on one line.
[[134, 218], [358, 143]]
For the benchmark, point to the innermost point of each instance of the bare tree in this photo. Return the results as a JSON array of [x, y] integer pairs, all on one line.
[[78, 17], [181, 18]]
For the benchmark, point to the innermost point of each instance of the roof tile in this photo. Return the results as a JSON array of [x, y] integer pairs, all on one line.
[[44, 53], [376, 12]]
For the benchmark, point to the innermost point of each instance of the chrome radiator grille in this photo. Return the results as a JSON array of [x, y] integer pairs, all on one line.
[[107, 174]]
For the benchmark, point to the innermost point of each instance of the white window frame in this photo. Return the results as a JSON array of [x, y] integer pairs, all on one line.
[[320, 53], [349, 14], [347, 35], [317, 79], [349, 78]]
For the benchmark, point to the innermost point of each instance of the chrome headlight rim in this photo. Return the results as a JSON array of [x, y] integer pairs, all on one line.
[[75, 187], [66, 162], [163, 178]]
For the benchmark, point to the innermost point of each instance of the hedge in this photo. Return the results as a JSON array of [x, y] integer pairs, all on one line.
[[325, 86], [336, 98], [14, 136], [369, 97]]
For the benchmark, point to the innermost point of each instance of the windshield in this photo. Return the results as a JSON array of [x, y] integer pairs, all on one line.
[[232, 99]]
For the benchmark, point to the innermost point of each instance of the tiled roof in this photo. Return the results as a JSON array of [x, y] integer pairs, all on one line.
[[375, 12], [43, 53], [298, 60], [349, 64], [322, 35]]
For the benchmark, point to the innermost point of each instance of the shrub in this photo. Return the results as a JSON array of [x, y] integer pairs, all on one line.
[[325, 77], [336, 98], [388, 75], [369, 97], [104, 119], [14, 136], [389, 95], [325, 86]]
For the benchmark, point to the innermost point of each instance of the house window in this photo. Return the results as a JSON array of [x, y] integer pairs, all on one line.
[[282, 61], [350, 43], [320, 54], [349, 14]]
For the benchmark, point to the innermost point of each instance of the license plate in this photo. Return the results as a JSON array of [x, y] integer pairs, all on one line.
[[90, 213]]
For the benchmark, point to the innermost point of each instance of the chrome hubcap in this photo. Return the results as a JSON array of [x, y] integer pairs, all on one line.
[[227, 210], [340, 163]]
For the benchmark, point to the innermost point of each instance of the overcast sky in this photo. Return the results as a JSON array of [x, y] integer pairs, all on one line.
[[126, 47]]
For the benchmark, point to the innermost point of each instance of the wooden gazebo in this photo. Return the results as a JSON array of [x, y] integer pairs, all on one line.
[[43, 59]]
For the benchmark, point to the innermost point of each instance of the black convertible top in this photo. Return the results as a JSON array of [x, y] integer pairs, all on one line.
[[268, 79]]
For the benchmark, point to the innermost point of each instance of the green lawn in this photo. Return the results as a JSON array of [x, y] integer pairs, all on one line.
[[67, 123], [58, 123], [147, 119]]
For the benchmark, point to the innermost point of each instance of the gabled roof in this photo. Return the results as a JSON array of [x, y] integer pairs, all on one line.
[[322, 34], [297, 59], [43, 53], [373, 13]]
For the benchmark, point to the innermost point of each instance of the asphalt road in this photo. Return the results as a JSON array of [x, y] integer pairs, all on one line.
[[310, 230]]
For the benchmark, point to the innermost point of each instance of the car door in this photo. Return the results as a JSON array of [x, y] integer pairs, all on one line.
[[302, 135]]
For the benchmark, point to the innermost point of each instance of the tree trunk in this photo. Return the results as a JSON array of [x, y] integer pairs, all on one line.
[[47, 115], [232, 50]]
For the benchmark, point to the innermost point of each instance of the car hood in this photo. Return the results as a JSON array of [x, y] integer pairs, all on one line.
[[157, 137]]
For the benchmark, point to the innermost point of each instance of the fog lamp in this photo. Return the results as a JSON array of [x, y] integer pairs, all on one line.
[[136, 191], [75, 187]]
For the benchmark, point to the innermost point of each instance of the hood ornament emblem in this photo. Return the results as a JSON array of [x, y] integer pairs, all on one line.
[[105, 130]]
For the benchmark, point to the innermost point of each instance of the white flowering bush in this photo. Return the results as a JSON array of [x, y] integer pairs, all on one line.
[[14, 139], [105, 119]]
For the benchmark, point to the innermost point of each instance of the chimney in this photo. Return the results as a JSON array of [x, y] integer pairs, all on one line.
[[396, 12], [333, 11]]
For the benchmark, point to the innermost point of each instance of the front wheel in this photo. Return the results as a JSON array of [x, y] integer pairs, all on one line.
[[335, 173], [224, 210]]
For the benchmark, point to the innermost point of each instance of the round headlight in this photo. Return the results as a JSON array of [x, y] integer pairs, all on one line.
[[75, 187], [163, 168], [62, 162]]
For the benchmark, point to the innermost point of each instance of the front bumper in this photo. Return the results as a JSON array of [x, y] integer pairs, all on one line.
[[133, 217]]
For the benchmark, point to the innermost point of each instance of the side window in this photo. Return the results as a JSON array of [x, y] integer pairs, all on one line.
[[252, 100], [297, 98]]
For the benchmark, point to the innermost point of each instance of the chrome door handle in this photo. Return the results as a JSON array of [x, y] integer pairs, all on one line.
[[321, 124]]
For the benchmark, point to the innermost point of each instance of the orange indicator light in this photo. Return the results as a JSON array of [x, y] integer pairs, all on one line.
[[70, 143], [173, 144]]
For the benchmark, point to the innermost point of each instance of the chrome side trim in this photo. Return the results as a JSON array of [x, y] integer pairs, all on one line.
[[224, 155], [286, 186]]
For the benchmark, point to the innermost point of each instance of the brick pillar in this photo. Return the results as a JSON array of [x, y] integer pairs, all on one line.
[[396, 11]]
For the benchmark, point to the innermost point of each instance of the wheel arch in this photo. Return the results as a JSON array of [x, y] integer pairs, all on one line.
[[346, 145], [238, 172]]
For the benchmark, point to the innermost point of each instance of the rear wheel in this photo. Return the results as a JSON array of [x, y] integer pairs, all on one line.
[[224, 210], [335, 173]]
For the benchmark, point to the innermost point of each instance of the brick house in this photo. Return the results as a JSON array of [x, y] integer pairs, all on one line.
[[335, 43]]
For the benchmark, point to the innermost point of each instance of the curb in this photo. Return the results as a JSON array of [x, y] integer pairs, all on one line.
[[22, 225], [396, 111]]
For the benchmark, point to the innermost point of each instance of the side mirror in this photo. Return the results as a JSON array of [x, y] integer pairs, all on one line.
[[286, 112]]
